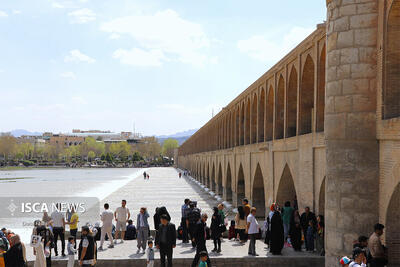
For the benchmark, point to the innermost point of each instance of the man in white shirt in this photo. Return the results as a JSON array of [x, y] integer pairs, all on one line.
[[58, 228], [122, 216], [106, 217], [252, 230]]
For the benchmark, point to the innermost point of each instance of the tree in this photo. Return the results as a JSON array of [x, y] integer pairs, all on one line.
[[149, 147], [91, 155], [168, 147], [7, 146]]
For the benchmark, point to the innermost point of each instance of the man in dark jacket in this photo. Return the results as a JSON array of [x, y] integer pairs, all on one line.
[[192, 219], [87, 251], [305, 218], [166, 240], [200, 237]]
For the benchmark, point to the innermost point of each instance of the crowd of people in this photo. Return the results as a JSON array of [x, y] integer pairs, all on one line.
[[283, 227]]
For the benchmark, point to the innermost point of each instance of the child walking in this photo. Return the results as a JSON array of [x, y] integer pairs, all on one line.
[[310, 237], [203, 259], [150, 254], [71, 251]]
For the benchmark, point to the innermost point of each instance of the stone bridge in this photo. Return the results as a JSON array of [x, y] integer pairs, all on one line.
[[321, 127]]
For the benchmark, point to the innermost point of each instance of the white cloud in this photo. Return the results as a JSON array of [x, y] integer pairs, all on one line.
[[68, 75], [76, 56], [140, 57], [3, 14], [17, 12], [167, 33], [79, 100], [268, 48], [82, 16], [115, 36], [1, 70], [57, 5]]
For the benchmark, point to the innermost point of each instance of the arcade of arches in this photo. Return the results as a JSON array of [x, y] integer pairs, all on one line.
[[321, 127]]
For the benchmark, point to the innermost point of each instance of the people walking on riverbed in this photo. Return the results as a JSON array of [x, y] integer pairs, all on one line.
[[215, 227], [142, 227], [144, 175], [277, 232], [184, 212], [193, 218], [106, 217], [166, 240], [122, 215]]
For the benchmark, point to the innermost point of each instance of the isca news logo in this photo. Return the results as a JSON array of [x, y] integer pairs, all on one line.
[[40, 207]]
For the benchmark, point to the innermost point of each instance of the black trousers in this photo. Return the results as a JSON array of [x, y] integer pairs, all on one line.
[[48, 261], [59, 231], [184, 231], [378, 262], [73, 233], [217, 243], [166, 251], [200, 248], [192, 228]]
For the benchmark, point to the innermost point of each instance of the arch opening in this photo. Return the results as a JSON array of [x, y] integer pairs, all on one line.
[[391, 94], [280, 109], [392, 228], [269, 115], [237, 127], [253, 122], [258, 195], [247, 124], [307, 96], [321, 205], [218, 190], [321, 92], [286, 189], [240, 188], [228, 184], [261, 109], [291, 128], [242, 126], [213, 185]]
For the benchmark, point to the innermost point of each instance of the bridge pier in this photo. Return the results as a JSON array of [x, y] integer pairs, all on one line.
[[352, 150]]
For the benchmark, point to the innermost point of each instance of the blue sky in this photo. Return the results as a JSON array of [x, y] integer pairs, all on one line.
[[161, 65]]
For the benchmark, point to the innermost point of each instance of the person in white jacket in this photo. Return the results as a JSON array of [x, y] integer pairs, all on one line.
[[360, 258]]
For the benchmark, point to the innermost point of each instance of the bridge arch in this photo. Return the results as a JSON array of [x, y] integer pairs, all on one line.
[[242, 126], [286, 188], [270, 115], [208, 179], [307, 96], [280, 108], [228, 184], [247, 123], [321, 199], [321, 91], [392, 228], [240, 186], [261, 116], [391, 88], [237, 126], [258, 192], [213, 185], [291, 125], [218, 190], [253, 121]]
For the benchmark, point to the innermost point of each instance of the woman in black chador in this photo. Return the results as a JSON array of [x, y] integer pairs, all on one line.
[[277, 237]]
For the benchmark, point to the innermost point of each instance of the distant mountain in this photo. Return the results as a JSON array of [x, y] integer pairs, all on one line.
[[181, 137], [20, 132]]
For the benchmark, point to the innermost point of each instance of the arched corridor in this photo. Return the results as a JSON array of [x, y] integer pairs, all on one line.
[[228, 184], [286, 189], [292, 104], [321, 92], [307, 96], [240, 187], [258, 193], [269, 127], [280, 109], [392, 228], [218, 190], [321, 204], [391, 92], [213, 185], [247, 123], [261, 118]]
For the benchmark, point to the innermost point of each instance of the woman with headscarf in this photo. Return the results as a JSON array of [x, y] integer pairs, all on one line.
[[16, 255], [216, 222], [240, 224], [157, 216], [277, 236], [320, 235], [295, 231]]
